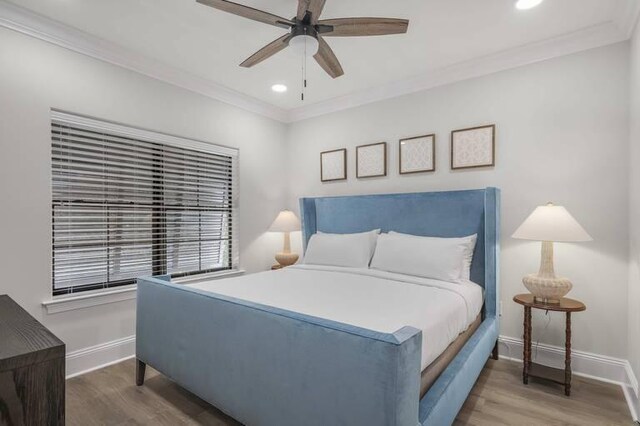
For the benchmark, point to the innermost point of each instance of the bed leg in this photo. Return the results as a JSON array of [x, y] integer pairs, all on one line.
[[140, 368], [494, 353]]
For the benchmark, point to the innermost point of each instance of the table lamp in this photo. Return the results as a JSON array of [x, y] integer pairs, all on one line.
[[286, 222], [548, 224]]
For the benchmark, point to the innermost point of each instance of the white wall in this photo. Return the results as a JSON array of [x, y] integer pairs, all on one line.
[[562, 135], [36, 76], [634, 212]]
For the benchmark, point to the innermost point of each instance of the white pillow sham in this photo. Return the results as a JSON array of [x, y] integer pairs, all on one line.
[[443, 259], [348, 250], [469, 245]]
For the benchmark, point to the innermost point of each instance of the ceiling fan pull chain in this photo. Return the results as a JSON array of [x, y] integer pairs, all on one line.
[[304, 73], [304, 67]]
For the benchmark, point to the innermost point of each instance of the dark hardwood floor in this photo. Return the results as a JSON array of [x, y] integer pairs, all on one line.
[[110, 397]]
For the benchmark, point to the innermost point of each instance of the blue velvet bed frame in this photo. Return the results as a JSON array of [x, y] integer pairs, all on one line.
[[267, 366]]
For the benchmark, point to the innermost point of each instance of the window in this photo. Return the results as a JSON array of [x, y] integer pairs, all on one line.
[[129, 203]]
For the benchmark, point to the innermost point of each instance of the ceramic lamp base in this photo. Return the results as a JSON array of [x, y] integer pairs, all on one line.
[[545, 286], [547, 290], [287, 259]]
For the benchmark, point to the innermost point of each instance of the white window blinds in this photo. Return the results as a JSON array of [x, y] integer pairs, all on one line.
[[129, 203]]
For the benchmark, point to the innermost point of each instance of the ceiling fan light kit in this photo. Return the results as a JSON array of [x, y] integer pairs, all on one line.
[[304, 45], [307, 31]]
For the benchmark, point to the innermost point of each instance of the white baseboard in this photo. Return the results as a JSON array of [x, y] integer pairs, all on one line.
[[633, 402], [95, 357], [599, 367], [585, 364], [633, 380], [632, 394]]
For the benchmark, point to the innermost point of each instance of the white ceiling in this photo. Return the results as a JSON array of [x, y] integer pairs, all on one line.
[[210, 44]]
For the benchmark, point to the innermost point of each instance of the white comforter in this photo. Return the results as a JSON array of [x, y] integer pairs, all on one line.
[[375, 300]]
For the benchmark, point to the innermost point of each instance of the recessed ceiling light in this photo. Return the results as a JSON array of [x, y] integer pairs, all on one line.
[[527, 4], [279, 88]]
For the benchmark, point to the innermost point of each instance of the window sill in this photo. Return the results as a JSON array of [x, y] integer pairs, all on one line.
[[120, 294], [80, 301]]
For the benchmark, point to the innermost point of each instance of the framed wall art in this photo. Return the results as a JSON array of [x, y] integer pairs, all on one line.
[[333, 165], [371, 160], [417, 154], [474, 147]]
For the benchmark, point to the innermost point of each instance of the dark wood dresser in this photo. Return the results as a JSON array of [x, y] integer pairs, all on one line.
[[32, 370]]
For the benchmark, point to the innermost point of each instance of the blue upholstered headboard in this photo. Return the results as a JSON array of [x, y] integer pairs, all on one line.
[[436, 214]]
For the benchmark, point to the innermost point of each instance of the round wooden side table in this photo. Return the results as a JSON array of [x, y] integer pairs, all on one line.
[[556, 375]]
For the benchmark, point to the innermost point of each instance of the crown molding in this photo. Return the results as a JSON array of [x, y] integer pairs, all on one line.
[[588, 38], [627, 17], [30, 23], [16, 18]]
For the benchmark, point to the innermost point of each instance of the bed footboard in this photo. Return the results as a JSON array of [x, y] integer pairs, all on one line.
[[266, 366]]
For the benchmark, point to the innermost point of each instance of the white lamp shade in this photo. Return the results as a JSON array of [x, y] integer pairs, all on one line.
[[286, 221], [551, 223]]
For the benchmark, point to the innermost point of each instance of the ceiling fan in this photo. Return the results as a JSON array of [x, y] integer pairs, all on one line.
[[307, 31]]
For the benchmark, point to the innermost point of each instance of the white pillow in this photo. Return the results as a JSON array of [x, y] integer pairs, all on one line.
[[373, 235], [348, 250], [469, 244], [428, 257]]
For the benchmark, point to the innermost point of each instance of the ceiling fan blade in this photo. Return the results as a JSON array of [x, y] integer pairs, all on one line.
[[354, 27], [266, 52], [327, 59], [314, 7], [248, 12]]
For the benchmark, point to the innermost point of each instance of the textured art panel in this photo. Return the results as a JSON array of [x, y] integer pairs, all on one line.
[[474, 147], [371, 160], [333, 165], [417, 154]]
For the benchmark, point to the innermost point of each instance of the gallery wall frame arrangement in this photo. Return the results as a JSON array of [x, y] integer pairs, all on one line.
[[417, 154], [371, 160], [473, 147], [333, 165]]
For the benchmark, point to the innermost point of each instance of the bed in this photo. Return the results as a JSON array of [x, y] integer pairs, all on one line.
[[266, 355]]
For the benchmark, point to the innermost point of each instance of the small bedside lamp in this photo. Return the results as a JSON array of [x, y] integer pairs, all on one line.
[[286, 222], [547, 224]]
